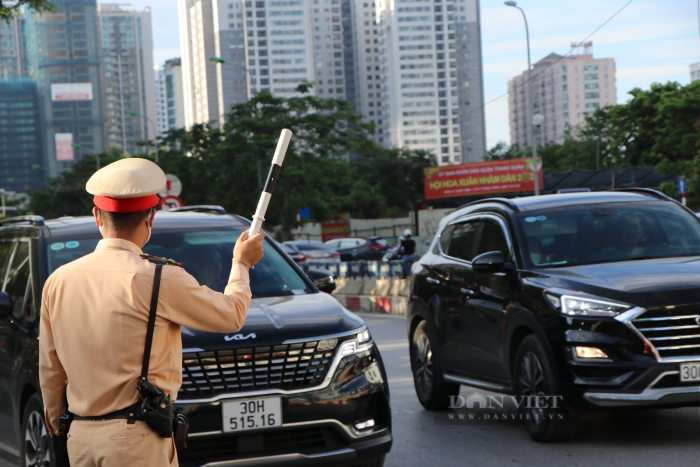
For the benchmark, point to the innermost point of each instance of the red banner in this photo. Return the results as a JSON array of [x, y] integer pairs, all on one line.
[[507, 176], [64, 146], [331, 230]]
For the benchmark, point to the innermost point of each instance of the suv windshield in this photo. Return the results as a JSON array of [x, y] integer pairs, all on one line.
[[598, 233], [206, 254]]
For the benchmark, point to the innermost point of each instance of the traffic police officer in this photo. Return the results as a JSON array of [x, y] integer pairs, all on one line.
[[94, 315]]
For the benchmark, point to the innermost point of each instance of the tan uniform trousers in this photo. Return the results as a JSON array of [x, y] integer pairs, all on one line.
[[111, 443]]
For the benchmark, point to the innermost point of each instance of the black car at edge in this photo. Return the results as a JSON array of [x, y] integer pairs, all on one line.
[[306, 369], [593, 298]]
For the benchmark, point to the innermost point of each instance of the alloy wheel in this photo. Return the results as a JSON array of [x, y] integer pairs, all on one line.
[[36, 442], [424, 364], [531, 382]]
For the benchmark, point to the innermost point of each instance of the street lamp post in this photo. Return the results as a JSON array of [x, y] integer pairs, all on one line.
[[155, 133], [535, 167]]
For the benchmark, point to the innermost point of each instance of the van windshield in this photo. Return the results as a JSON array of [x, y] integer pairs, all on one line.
[[599, 233], [206, 254]]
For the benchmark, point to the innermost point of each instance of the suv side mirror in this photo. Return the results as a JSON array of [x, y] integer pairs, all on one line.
[[323, 279], [5, 305], [491, 261]]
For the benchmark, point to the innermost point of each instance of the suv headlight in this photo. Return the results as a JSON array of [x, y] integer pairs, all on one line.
[[573, 305]]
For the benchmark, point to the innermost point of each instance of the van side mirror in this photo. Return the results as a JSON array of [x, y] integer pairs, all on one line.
[[5, 305], [323, 279], [491, 261]]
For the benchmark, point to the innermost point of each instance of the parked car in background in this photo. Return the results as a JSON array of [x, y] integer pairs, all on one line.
[[592, 298], [314, 251], [293, 252], [302, 383], [359, 248]]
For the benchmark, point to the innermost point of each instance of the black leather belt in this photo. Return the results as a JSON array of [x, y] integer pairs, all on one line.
[[123, 414]]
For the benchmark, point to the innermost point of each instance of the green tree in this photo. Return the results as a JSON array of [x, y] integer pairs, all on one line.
[[65, 195], [394, 177], [659, 125], [503, 150], [571, 154], [12, 8], [325, 132], [228, 166]]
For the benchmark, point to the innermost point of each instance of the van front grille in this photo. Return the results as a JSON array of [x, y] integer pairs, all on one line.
[[286, 366]]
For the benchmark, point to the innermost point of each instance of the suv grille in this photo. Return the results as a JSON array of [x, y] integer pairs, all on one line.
[[674, 333], [288, 366]]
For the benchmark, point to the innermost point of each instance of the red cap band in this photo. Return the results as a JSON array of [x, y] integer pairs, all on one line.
[[125, 204]]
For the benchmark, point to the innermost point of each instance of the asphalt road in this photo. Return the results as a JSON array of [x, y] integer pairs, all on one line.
[[665, 438]]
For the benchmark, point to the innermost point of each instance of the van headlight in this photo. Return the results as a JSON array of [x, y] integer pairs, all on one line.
[[361, 343], [572, 305], [363, 336]]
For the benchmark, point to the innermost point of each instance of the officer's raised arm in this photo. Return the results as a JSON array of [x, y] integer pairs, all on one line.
[[196, 306]]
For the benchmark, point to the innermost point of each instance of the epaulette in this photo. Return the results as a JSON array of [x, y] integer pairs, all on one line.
[[161, 259]]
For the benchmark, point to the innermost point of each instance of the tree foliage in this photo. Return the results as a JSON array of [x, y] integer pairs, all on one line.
[[331, 166], [657, 127], [66, 195], [12, 8]]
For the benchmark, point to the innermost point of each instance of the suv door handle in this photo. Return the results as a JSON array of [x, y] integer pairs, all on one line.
[[430, 280], [468, 292]]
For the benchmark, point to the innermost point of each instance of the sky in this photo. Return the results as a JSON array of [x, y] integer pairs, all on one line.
[[650, 40]]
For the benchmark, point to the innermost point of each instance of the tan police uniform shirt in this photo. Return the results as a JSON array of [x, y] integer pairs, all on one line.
[[94, 314]]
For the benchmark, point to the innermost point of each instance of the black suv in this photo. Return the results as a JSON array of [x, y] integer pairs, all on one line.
[[593, 298], [306, 365]]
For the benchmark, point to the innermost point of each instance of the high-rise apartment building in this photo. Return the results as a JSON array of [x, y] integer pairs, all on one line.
[[363, 62], [565, 90], [129, 93], [21, 156], [695, 71], [161, 111], [169, 96], [431, 77], [63, 55], [174, 96], [236, 48], [12, 51], [413, 68]]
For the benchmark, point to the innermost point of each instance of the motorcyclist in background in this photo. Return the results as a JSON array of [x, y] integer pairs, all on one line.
[[395, 252], [408, 246]]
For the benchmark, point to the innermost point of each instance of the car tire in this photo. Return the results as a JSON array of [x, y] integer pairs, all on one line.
[[36, 441], [432, 390], [544, 412]]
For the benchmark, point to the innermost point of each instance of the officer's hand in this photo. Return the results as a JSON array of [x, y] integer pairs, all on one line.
[[249, 250]]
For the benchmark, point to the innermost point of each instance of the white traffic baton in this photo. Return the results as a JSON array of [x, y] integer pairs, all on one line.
[[265, 196]]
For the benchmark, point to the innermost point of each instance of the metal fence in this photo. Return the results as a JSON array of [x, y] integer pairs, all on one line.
[[378, 269]]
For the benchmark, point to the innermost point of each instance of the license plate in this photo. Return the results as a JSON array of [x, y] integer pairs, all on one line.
[[251, 414], [690, 372]]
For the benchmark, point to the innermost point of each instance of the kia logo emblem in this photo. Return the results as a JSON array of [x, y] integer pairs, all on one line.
[[697, 320], [241, 337]]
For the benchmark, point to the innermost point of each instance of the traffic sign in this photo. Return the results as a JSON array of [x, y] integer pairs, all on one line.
[[170, 202], [531, 165], [173, 186]]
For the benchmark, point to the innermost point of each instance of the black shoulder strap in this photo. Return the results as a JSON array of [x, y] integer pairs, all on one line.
[[151, 322]]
